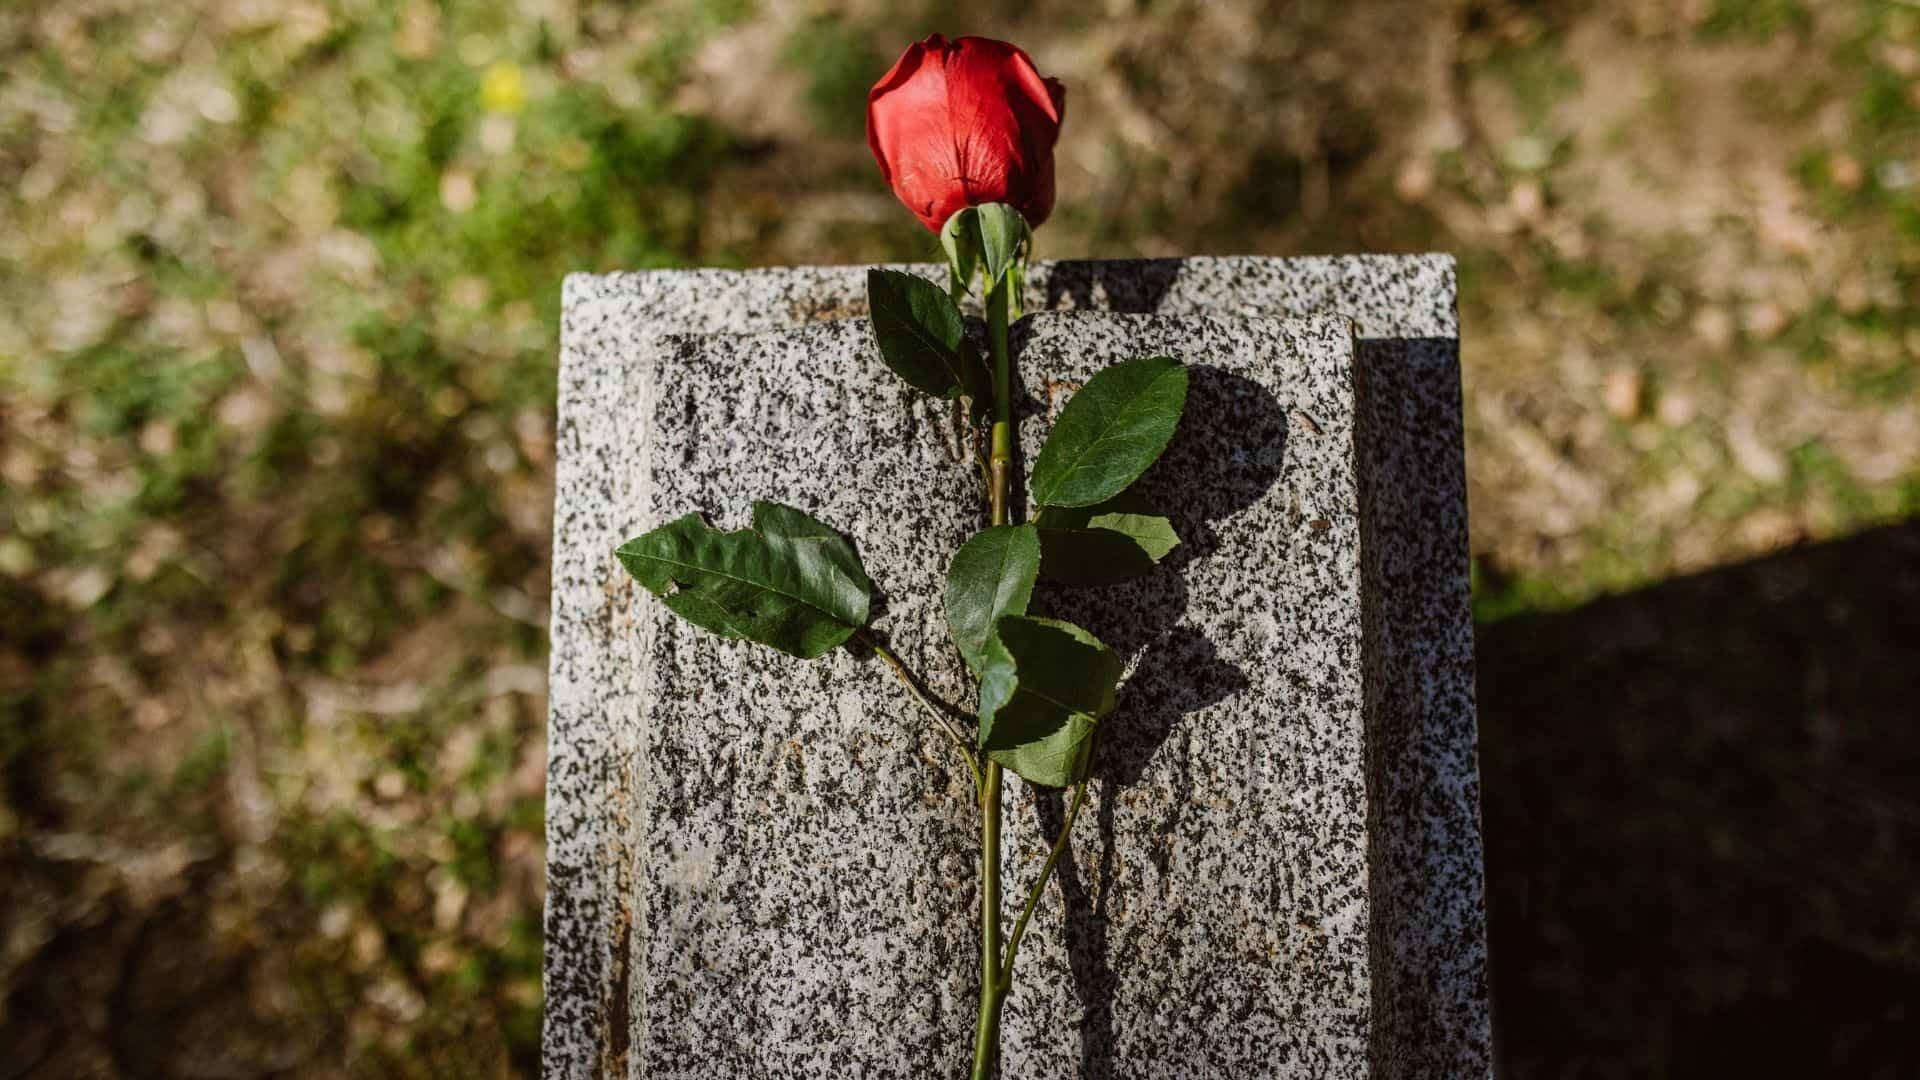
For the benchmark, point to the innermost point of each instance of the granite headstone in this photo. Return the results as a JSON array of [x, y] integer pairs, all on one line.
[[759, 867]]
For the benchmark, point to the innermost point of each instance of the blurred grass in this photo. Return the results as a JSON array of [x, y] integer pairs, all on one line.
[[278, 303], [282, 288]]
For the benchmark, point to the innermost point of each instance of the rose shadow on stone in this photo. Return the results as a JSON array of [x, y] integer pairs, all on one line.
[[1174, 670]]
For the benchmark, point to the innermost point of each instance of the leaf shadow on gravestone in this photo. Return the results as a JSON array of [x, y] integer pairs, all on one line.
[[1227, 454], [1131, 286]]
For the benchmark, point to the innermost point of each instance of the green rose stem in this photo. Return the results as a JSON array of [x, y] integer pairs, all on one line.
[[993, 985], [912, 683], [996, 973], [1046, 872]]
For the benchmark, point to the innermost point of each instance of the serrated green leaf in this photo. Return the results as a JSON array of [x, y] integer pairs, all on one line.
[[1045, 686], [923, 338], [1111, 541], [1116, 426], [789, 582], [991, 576]]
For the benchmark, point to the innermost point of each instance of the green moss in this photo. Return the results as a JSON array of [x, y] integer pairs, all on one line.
[[336, 858], [205, 762], [840, 65], [1754, 20], [1818, 478], [1537, 74]]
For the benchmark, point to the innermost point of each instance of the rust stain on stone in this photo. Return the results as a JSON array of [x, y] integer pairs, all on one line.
[[618, 1035]]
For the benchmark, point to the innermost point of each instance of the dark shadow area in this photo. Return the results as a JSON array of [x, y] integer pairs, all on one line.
[[1128, 742], [1122, 286], [175, 999], [1427, 918], [1702, 809], [1228, 453]]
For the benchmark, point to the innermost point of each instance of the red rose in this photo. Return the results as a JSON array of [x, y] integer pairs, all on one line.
[[964, 122]]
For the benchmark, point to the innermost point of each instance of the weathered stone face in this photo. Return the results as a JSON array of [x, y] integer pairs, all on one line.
[[765, 867]]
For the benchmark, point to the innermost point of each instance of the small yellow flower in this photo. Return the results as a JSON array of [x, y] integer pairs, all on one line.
[[504, 88]]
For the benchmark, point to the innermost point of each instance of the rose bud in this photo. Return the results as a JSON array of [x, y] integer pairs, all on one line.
[[965, 122]]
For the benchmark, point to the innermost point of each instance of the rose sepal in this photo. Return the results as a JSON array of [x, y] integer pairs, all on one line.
[[993, 238]]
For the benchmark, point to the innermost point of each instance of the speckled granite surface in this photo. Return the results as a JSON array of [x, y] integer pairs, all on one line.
[[610, 1011], [1217, 915]]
